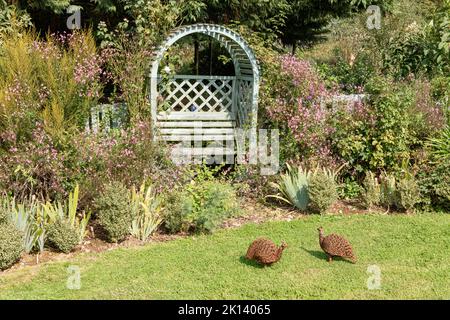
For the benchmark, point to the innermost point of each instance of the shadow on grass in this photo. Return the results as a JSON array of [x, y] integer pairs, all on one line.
[[317, 254], [323, 256], [251, 263]]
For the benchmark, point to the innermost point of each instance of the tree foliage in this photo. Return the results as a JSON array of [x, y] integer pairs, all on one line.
[[292, 22]]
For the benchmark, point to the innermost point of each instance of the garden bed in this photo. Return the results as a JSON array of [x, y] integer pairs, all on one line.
[[253, 212]]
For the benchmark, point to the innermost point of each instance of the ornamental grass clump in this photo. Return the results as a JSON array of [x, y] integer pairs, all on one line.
[[147, 212]]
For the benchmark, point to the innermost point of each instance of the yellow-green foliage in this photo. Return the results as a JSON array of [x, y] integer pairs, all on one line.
[[409, 193], [372, 190], [55, 81], [322, 190], [147, 211]]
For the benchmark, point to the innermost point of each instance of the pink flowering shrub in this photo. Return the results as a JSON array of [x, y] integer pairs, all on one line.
[[381, 133], [50, 170], [129, 156], [430, 116], [46, 91], [36, 166], [295, 102]]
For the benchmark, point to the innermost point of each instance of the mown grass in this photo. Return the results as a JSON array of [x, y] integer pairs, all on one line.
[[413, 253]]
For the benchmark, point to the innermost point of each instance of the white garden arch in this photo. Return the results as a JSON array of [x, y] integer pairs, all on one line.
[[219, 103]]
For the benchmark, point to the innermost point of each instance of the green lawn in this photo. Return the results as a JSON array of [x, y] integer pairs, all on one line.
[[413, 253]]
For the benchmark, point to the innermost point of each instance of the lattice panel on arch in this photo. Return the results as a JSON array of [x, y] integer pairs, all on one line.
[[244, 98], [199, 95]]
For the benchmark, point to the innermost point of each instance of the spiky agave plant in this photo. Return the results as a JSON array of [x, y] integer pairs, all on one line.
[[293, 187], [23, 217]]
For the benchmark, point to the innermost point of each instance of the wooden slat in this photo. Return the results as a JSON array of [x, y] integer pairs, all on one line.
[[196, 131], [245, 65], [196, 116], [203, 77], [202, 151], [190, 124], [246, 78], [206, 137], [246, 71]]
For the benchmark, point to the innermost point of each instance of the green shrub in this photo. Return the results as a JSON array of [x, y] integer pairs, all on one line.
[[113, 211], [349, 189], [442, 182], [402, 193], [351, 75], [434, 183], [12, 20], [372, 192], [177, 207], [420, 48], [62, 236], [442, 186], [322, 191], [11, 245], [217, 203], [380, 136], [408, 193], [201, 207], [433, 176]]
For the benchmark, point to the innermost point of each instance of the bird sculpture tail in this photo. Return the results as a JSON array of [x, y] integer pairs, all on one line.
[[352, 258]]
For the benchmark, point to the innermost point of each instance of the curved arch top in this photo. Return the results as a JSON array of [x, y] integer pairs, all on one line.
[[244, 59], [243, 87]]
